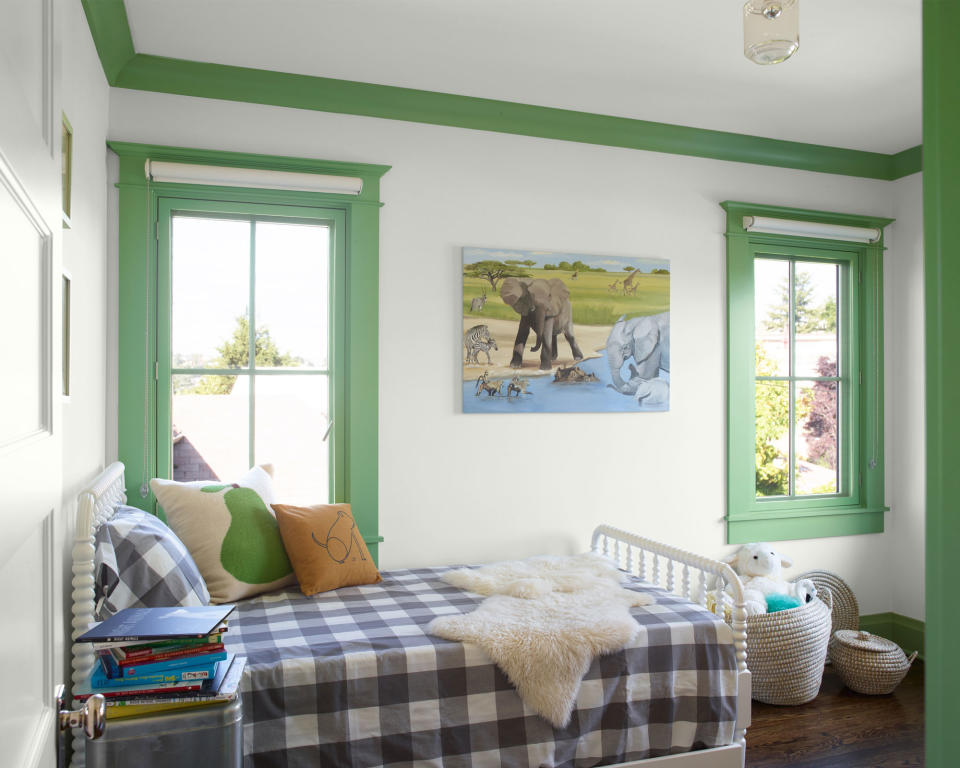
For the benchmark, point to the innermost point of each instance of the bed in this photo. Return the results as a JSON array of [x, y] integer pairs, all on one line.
[[351, 678]]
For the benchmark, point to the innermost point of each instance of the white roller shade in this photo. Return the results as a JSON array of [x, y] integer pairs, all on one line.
[[221, 176], [811, 229]]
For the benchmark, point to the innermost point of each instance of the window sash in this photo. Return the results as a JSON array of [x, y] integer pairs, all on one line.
[[742, 499], [171, 207], [846, 360]]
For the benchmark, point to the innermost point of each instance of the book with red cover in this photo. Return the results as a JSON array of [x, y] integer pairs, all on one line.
[[201, 645], [181, 653], [83, 692]]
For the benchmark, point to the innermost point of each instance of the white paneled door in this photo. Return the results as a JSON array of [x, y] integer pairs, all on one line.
[[31, 642]]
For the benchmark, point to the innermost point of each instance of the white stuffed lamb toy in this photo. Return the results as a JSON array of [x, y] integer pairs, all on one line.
[[759, 567]]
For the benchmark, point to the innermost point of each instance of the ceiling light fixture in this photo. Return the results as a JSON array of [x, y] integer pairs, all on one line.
[[771, 30]]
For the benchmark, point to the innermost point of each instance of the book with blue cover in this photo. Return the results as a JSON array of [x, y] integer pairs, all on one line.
[[137, 624], [100, 678], [133, 689]]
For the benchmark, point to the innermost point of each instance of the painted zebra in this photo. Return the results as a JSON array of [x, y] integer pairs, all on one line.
[[477, 339]]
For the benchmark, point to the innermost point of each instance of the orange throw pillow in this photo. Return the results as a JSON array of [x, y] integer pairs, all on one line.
[[325, 547]]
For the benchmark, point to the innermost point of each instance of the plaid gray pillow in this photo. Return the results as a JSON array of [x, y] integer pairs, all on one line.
[[140, 563]]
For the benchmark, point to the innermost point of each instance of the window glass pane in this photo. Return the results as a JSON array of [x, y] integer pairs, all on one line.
[[815, 318], [210, 429], [771, 284], [772, 437], [817, 446], [292, 415], [293, 295], [211, 294]]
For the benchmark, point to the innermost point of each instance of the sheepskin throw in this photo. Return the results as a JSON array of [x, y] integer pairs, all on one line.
[[544, 621]]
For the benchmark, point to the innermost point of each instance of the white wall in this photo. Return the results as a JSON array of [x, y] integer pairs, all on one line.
[[85, 100], [906, 433], [458, 488]]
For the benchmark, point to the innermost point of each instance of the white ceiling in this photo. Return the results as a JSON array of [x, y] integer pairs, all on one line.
[[855, 82]]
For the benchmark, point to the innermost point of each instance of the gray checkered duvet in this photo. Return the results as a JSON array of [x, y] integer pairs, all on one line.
[[350, 678]]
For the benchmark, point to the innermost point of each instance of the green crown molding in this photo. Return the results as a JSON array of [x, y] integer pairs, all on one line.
[[908, 162], [111, 35], [125, 69]]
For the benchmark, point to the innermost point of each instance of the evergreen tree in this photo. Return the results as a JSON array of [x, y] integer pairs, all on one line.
[[809, 319], [235, 353]]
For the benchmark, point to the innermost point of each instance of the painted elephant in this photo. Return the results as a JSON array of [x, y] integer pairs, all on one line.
[[649, 391], [647, 341], [543, 306]]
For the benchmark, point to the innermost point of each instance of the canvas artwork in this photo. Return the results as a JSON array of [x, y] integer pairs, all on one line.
[[564, 332]]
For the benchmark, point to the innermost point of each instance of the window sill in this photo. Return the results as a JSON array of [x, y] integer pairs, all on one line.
[[804, 524]]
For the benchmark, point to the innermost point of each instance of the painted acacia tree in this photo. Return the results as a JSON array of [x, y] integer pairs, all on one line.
[[493, 271]]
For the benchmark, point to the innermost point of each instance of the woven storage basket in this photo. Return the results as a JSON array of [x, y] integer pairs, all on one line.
[[869, 663], [786, 651], [846, 611]]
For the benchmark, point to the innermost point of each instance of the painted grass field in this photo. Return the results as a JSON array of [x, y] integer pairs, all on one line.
[[593, 303]]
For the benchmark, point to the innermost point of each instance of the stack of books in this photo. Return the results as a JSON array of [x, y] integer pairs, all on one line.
[[161, 659]]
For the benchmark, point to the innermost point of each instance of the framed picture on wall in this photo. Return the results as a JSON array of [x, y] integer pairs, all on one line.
[[66, 168], [545, 331]]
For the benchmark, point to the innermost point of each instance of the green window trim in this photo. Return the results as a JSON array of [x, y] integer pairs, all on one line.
[[355, 294], [859, 506]]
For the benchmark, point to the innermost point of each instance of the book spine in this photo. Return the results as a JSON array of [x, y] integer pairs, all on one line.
[[156, 691], [132, 701], [109, 665], [166, 646], [161, 667], [171, 676], [153, 658]]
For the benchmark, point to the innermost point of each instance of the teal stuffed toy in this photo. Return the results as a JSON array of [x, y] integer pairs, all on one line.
[[782, 603]]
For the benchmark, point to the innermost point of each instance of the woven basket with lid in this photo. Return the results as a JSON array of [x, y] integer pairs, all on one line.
[[869, 663]]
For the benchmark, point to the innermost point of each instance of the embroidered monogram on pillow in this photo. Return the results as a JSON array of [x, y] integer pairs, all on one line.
[[325, 547]]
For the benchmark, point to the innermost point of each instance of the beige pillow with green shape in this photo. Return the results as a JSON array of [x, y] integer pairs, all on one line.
[[230, 532]]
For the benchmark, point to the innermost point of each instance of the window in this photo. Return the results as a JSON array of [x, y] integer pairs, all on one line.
[[248, 329], [805, 385], [245, 357]]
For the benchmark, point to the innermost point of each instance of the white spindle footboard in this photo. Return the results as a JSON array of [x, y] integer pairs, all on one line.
[[634, 553]]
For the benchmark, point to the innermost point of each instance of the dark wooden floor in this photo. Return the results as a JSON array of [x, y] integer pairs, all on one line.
[[842, 728]]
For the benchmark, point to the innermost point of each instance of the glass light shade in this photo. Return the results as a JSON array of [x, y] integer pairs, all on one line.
[[771, 30]]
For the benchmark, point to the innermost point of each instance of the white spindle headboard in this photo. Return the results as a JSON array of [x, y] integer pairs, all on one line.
[[95, 505]]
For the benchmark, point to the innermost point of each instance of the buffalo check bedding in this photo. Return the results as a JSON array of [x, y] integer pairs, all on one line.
[[351, 678]]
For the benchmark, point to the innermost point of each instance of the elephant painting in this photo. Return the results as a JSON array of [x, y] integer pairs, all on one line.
[[647, 341], [612, 366], [543, 306]]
